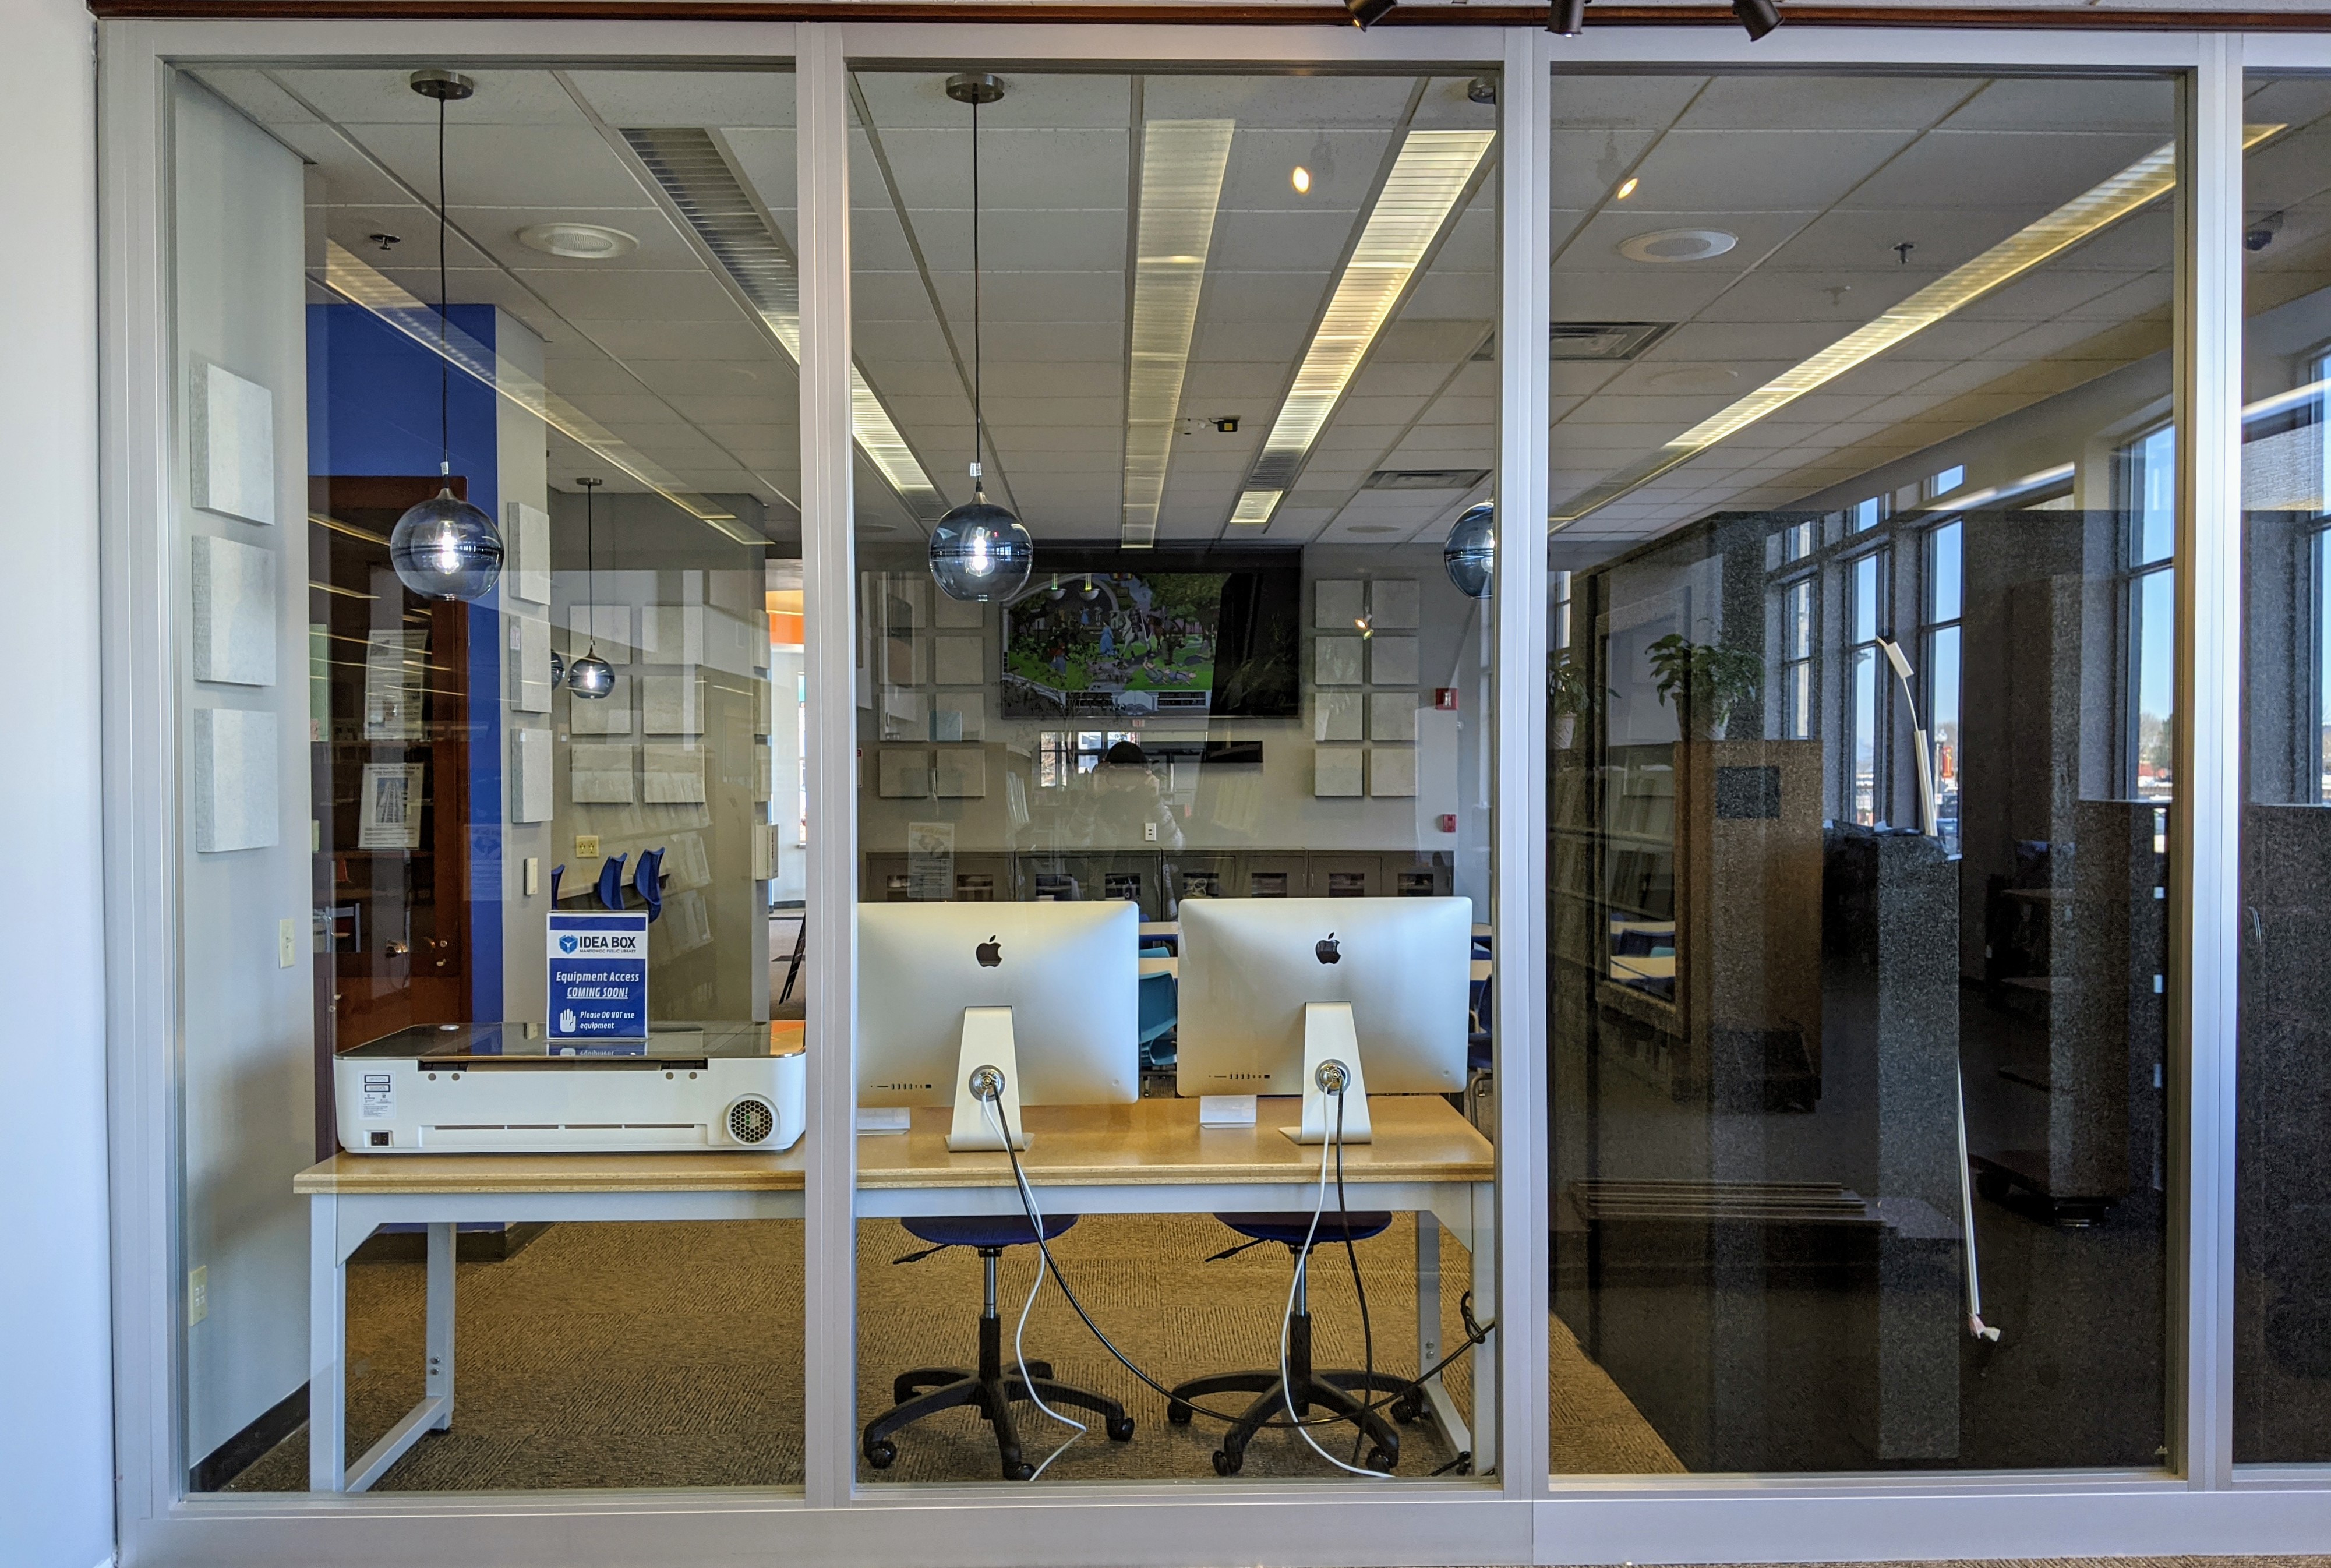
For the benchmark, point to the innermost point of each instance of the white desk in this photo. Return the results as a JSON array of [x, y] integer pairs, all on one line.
[[350, 1195], [1150, 1157]]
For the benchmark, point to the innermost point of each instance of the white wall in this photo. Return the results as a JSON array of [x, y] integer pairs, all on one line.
[[247, 1027], [56, 1446]]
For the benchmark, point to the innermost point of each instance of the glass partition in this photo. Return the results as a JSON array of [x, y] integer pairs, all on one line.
[[2282, 1333], [1224, 348], [546, 809], [1861, 466]]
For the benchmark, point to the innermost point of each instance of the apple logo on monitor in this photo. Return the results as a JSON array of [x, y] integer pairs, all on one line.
[[1326, 951], [989, 952]]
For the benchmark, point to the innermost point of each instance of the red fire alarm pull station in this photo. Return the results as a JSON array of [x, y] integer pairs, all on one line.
[[1444, 699], [1448, 822]]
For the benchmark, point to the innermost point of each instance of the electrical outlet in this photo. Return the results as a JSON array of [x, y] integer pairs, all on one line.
[[287, 944], [1149, 832], [198, 1294], [587, 846]]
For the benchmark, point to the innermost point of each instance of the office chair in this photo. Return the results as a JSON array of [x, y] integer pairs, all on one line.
[[1332, 1390], [1158, 1015], [929, 1390]]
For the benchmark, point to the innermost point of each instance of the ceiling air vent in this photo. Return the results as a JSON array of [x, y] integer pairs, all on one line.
[[689, 166], [1424, 479], [1616, 340]]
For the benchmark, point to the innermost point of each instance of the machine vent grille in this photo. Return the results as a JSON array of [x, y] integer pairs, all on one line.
[[751, 1121]]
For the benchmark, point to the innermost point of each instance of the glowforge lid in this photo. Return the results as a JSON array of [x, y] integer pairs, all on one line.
[[513, 1043]]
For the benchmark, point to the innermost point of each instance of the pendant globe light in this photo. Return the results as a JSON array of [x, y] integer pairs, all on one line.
[[589, 675], [444, 547], [1471, 554], [979, 551]]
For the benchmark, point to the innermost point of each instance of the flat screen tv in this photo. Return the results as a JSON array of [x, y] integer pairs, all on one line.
[[1154, 633]]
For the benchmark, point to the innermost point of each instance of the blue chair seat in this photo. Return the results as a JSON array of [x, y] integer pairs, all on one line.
[[986, 1230], [1288, 1230]]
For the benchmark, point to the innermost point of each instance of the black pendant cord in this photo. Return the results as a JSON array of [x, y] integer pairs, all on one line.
[[445, 308], [591, 562], [979, 348]]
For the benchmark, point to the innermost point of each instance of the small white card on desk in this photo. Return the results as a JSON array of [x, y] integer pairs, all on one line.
[[882, 1118], [1226, 1110]]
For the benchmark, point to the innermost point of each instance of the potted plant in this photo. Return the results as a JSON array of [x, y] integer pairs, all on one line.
[[1565, 684], [1707, 682]]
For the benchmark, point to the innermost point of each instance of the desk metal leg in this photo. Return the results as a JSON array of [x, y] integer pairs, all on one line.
[[435, 1410], [328, 1278], [1429, 1346]]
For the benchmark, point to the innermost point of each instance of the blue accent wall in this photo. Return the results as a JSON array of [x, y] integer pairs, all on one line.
[[372, 409]]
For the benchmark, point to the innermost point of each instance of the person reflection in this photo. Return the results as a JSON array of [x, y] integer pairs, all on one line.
[[1124, 808]]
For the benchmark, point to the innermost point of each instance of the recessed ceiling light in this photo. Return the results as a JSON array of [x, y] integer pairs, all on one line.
[[1626, 188], [1433, 171], [1664, 245], [581, 242], [1301, 180]]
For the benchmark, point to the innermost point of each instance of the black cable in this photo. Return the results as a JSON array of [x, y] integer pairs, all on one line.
[[1475, 1332], [978, 351], [444, 305]]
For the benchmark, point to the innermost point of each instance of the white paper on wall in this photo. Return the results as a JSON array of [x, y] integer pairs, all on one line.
[[687, 924], [599, 774], [389, 806], [530, 791], [1335, 771], [672, 775], [906, 715], [529, 664], [765, 852], [608, 715], [1391, 604], [763, 771], [671, 704], [602, 629], [525, 534], [392, 662], [1335, 716], [1336, 661], [970, 709], [1338, 605], [960, 772], [672, 634], [959, 661], [902, 773], [233, 432], [902, 660], [906, 601], [1391, 661], [235, 611], [687, 862], [1392, 715], [1391, 772], [234, 780]]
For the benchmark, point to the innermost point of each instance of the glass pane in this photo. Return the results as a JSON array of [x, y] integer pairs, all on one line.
[[555, 919], [2282, 1315], [1772, 963], [1235, 340]]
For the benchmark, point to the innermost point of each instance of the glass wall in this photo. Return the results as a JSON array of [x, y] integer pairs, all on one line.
[[582, 360], [1224, 347], [2282, 1344], [1861, 465]]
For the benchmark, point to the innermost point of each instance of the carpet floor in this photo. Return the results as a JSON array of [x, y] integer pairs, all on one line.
[[669, 1355]]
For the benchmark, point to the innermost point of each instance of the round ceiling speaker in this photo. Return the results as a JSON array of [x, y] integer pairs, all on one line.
[[579, 242], [1664, 245]]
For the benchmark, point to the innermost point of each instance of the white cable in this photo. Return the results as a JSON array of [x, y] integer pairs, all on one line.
[[1019, 1353], [1286, 1319]]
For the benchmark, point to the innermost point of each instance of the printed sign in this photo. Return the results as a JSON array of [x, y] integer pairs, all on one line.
[[598, 976], [379, 1097]]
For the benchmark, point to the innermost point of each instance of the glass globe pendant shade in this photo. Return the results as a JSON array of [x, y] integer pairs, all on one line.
[[590, 676], [980, 552], [1470, 555], [558, 668], [446, 548]]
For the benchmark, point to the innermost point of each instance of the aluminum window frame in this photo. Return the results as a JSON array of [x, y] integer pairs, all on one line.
[[2196, 1502]]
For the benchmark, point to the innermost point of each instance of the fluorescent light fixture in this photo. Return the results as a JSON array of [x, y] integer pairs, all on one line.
[[1432, 172], [2145, 181], [2045, 479], [1182, 166], [347, 276]]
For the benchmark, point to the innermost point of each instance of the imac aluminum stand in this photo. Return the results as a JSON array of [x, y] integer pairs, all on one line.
[[987, 1047], [1331, 1040]]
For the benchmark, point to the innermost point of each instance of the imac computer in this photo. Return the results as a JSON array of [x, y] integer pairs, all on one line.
[[1049, 995], [1273, 990]]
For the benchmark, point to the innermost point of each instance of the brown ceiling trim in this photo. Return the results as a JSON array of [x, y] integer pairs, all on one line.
[[1165, 13]]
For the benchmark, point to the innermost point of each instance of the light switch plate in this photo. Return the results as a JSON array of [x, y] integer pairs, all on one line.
[[287, 944], [533, 875], [587, 846], [198, 1294]]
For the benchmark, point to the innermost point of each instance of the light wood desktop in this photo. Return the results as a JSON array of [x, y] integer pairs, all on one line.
[[1148, 1157]]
